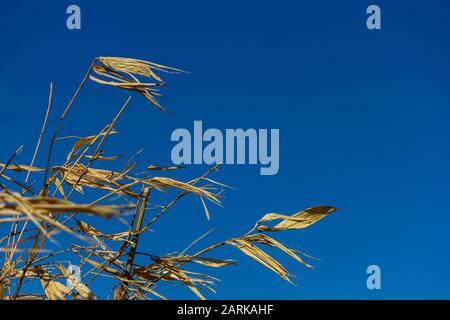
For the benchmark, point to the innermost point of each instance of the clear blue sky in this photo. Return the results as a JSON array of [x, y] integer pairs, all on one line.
[[363, 118]]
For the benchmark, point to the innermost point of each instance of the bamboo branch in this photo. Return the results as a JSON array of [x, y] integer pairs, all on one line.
[[137, 228], [61, 119]]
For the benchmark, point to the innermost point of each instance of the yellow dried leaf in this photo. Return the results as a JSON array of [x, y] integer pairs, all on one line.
[[55, 290], [85, 141], [20, 168], [151, 167], [266, 240], [299, 220]]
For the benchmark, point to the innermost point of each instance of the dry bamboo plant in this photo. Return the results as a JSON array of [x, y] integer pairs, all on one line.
[[31, 221]]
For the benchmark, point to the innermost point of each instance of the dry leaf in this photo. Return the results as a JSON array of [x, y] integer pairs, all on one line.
[[299, 220]]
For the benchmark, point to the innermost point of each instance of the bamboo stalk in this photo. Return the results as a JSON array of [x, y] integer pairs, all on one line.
[[134, 243]]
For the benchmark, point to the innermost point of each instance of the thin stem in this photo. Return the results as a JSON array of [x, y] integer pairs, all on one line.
[[104, 135], [41, 135], [13, 230], [61, 119], [179, 196], [14, 155]]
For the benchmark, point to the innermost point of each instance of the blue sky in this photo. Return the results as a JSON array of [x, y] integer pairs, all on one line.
[[362, 117]]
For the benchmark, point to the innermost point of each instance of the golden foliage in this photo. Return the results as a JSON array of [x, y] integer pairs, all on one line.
[[123, 73], [34, 216]]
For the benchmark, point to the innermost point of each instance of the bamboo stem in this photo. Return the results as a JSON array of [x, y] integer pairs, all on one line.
[[134, 242]]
